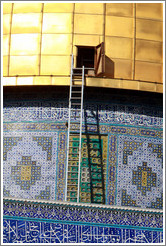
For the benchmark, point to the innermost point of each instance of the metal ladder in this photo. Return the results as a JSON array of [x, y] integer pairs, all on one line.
[[73, 166]]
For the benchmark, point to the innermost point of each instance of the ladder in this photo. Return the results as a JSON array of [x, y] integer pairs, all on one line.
[[73, 165]]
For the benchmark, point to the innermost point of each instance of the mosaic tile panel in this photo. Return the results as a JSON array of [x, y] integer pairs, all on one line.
[[25, 173], [89, 214], [93, 169], [28, 222], [21, 231], [8, 143], [109, 113], [61, 167], [41, 126], [30, 168], [142, 173]]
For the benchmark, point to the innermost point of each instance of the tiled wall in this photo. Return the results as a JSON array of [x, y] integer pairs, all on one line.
[[35, 138], [31, 222]]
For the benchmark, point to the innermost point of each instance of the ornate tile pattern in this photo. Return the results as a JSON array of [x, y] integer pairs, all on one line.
[[30, 168], [61, 167], [73, 212], [74, 223], [8, 143], [142, 175], [109, 113], [93, 169], [46, 143], [134, 137], [25, 173], [44, 232]]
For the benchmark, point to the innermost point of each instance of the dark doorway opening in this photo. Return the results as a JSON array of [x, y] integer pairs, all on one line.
[[85, 57]]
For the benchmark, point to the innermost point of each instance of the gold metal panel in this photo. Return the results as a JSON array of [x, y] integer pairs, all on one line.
[[6, 23], [100, 82], [25, 44], [56, 44], [159, 88], [111, 84], [49, 65], [26, 23], [58, 7], [149, 10], [147, 71], [25, 7], [122, 68], [60, 80], [57, 23], [148, 50], [24, 65], [8, 81], [149, 29], [5, 45], [118, 47], [5, 65], [89, 8], [42, 80], [87, 40], [119, 26], [25, 81], [144, 86], [119, 9], [130, 85], [7, 8], [88, 24]]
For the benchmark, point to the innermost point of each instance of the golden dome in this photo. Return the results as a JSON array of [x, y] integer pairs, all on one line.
[[39, 38]]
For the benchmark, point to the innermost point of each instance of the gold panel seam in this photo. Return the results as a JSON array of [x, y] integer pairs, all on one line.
[[134, 40], [41, 38], [141, 18], [155, 62], [10, 38]]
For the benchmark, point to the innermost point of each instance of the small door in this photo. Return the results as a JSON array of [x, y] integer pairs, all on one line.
[[99, 60]]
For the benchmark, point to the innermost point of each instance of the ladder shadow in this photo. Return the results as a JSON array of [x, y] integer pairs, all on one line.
[[96, 171]]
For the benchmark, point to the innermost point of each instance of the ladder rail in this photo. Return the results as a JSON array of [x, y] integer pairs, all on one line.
[[68, 133], [72, 102], [79, 167]]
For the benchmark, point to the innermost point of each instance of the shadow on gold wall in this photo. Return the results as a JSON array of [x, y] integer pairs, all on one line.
[[109, 68]]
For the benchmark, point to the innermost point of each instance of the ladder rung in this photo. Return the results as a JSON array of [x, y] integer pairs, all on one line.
[[72, 185], [72, 171], [74, 147], [72, 178], [76, 85], [75, 117], [72, 160], [75, 109], [78, 92], [73, 166], [73, 154], [75, 98], [74, 141], [72, 190], [76, 103], [77, 79], [77, 68], [75, 123]]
